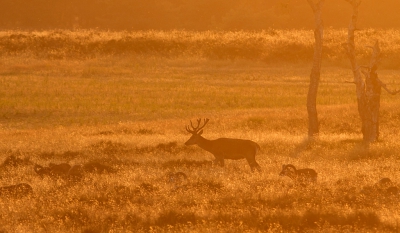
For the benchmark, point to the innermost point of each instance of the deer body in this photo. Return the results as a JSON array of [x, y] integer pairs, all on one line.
[[225, 148]]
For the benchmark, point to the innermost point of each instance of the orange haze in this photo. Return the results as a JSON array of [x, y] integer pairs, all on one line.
[[190, 14]]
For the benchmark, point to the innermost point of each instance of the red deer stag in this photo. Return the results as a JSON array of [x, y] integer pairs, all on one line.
[[224, 148]]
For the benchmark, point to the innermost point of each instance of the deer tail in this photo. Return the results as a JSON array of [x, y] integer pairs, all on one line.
[[258, 148]]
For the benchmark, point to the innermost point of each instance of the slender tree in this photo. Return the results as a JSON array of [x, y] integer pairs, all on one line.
[[368, 84], [313, 125]]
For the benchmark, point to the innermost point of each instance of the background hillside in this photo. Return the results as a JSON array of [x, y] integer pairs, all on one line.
[[189, 14]]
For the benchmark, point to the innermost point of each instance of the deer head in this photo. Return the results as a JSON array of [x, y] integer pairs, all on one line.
[[195, 131], [288, 170]]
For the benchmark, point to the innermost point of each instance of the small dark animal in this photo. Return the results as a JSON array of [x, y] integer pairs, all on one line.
[[16, 191], [224, 148], [384, 183], [385, 186], [41, 171], [53, 170], [302, 176]]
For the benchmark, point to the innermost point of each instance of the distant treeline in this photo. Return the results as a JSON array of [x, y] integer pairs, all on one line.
[[268, 46], [188, 14]]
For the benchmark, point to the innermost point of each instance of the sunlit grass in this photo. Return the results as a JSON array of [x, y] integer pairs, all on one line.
[[130, 112]]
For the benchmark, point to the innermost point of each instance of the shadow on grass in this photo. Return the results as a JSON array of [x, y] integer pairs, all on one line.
[[356, 147], [310, 219], [360, 151], [307, 144], [170, 148], [109, 147], [315, 219], [68, 155], [207, 186], [127, 131], [374, 150], [186, 163], [172, 217]]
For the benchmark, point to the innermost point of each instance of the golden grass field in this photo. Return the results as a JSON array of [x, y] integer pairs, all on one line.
[[129, 111]]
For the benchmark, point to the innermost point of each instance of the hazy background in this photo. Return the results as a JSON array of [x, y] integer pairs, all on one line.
[[189, 14]]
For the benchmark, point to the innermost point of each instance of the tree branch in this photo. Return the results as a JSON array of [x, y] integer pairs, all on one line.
[[383, 85], [375, 58], [354, 2], [316, 6], [312, 4]]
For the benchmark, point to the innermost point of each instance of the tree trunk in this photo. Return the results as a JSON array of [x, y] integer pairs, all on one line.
[[313, 125], [371, 106], [368, 90]]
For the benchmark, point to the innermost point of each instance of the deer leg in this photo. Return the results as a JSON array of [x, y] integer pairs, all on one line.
[[257, 166], [221, 162], [253, 164], [215, 161], [218, 160]]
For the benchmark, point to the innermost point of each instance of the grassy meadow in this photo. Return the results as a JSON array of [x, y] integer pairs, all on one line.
[[124, 99]]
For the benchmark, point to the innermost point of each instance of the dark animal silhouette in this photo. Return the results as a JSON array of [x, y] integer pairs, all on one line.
[[74, 173], [224, 148], [16, 191], [53, 170], [384, 183], [383, 187], [301, 176]]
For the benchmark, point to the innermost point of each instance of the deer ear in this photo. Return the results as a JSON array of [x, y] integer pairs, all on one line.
[[200, 132]]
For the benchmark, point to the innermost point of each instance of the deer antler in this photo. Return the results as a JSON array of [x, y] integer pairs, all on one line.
[[198, 127]]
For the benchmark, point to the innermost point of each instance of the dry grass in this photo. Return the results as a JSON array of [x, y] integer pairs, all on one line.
[[130, 112], [267, 46]]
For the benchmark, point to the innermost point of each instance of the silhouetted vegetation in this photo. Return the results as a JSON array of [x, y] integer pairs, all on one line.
[[269, 46]]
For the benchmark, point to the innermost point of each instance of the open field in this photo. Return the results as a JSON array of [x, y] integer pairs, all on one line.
[[129, 111]]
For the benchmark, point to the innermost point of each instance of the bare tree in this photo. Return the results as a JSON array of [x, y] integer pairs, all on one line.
[[313, 125], [368, 89]]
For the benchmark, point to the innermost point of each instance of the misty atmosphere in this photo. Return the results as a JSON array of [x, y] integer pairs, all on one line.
[[189, 15]]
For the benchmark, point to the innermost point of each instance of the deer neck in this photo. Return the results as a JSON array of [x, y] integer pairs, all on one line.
[[205, 144]]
